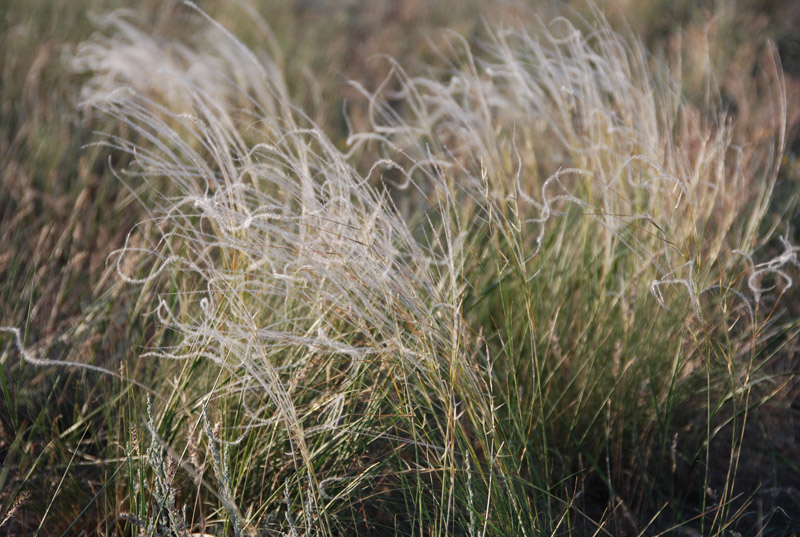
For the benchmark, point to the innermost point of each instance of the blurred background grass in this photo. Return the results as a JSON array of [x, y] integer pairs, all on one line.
[[63, 211]]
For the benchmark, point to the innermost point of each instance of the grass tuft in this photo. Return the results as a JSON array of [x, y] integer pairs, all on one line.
[[541, 291]]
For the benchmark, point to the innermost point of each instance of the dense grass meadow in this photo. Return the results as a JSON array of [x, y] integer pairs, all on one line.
[[452, 268]]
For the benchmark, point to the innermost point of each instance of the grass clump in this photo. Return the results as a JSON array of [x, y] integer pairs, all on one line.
[[543, 308], [322, 330], [607, 230]]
